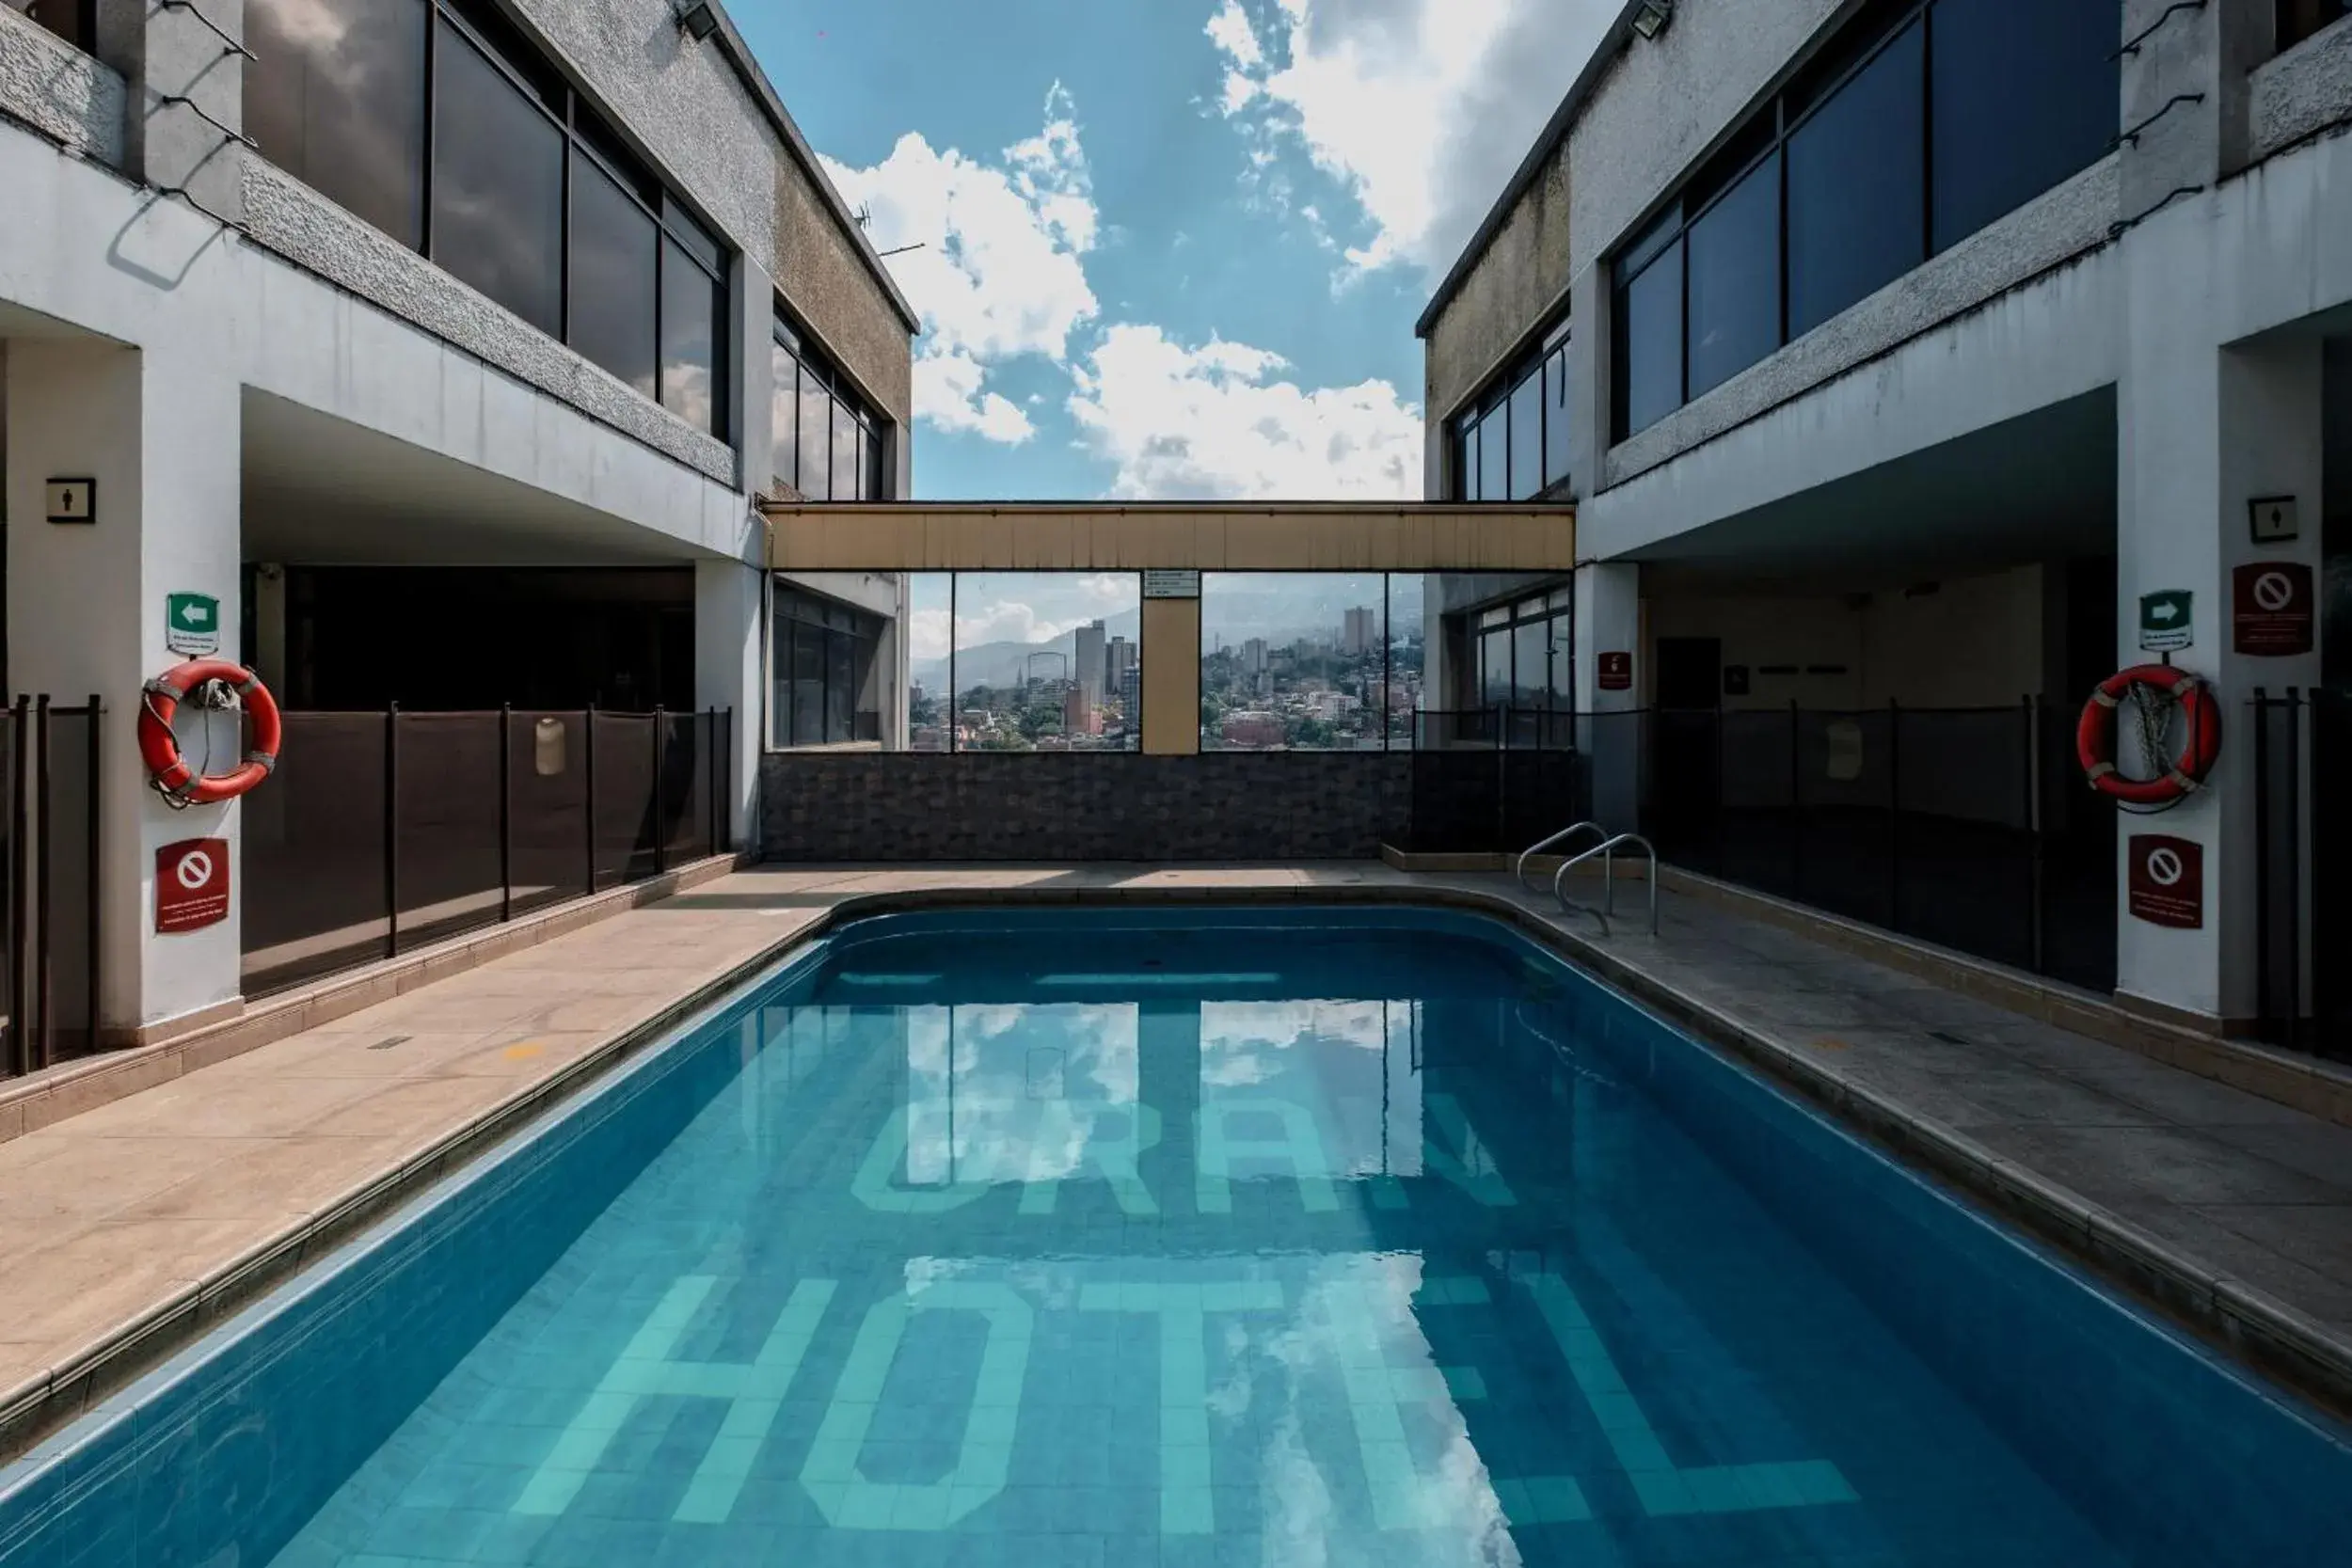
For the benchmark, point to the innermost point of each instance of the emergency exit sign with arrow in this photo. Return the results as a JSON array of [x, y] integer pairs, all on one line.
[[2164, 621], [191, 624]]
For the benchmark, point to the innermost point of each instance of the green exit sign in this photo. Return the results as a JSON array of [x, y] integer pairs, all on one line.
[[192, 624]]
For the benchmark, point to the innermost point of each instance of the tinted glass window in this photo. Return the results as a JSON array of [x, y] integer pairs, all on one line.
[[2025, 95], [808, 684], [1856, 208], [816, 437], [1531, 643], [785, 416], [840, 687], [2299, 19], [498, 186], [1494, 454], [1466, 462], [70, 20], [689, 367], [1494, 684], [1556, 417], [1562, 661], [612, 262], [1734, 251], [1527, 439], [844, 453], [1649, 343], [692, 236], [337, 99]]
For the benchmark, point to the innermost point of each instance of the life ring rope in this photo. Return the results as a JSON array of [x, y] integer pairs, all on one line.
[[2095, 736], [181, 786]]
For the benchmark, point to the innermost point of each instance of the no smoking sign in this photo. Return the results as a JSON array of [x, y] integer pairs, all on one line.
[[2167, 882], [191, 884], [2272, 609]]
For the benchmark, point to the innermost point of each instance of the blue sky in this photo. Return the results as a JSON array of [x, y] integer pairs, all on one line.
[[1172, 248]]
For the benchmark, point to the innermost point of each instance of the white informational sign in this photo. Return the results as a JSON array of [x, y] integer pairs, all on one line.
[[1169, 584]]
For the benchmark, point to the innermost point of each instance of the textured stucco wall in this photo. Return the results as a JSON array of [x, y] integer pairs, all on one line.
[[1523, 273], [880, 806], [2065, 222], [822, 275], [59, 91], [1666, 101], [291, 218], [2304, 90]]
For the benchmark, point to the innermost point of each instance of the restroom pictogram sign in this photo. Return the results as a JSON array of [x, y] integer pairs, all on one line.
[[191, 884]]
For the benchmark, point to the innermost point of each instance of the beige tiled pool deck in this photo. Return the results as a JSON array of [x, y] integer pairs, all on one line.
[[125, 1228]]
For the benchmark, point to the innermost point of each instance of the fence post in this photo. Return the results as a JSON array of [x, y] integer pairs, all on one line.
[[20, 969], [47, 1056], [1503, 778], [2293, 867], [588, 760], [2263, 1013], [660, 816], [506, 812], [710, 752], [1894, 814], [1796, 802], [97, 971], [392, 830], [2037, 892]]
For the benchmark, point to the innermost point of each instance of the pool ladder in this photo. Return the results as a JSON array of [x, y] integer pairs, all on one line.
[[1607, 849]]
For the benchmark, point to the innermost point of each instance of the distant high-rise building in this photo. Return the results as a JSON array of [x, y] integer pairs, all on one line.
[[1119, 658], [1090, 672], [1253, 657], [1130, 694], [1361, 632], [1078, 715]]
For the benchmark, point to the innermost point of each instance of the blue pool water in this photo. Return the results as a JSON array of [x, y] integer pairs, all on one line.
[[1109, 1238]]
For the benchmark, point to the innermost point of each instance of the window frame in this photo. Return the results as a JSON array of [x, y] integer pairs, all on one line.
[[1765, 131], [873, 434], [1466, 430]]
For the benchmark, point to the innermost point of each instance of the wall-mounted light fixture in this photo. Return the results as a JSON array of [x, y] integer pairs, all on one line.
[[698, 20], [1652, 16]]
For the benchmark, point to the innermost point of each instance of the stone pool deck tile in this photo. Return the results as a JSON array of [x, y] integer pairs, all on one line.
[[118, 1216]]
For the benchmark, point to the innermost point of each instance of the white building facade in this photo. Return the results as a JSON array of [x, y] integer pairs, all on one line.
[[419, 335], [1895, 353]]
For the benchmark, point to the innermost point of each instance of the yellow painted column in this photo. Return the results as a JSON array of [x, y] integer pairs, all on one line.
[[1171, 677]]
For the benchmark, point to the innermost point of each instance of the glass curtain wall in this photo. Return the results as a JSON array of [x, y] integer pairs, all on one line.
[[1919, 123], [829, 443], [1513, 444], [438, 122]]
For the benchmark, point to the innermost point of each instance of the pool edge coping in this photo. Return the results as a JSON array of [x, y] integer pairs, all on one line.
[[2266, 1335]]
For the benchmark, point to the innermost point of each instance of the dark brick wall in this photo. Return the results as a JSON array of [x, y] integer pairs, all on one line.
[[1218, 806]]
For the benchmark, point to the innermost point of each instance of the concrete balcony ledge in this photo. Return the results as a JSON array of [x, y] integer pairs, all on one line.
[[65, 95]]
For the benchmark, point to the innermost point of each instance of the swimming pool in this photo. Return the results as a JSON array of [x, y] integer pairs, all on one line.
[[1115, 1237]]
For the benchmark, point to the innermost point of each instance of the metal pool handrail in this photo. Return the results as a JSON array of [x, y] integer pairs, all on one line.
[[1608, 853], [1519, 871]]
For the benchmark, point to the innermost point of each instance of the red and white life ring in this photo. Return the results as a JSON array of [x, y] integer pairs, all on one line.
[[2094, 738], [160, 748]]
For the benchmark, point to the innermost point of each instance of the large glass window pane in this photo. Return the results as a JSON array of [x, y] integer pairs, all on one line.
[[878, 476], [1466, 462], [337, 99], [808, 684], [844, 452], [1527, 439], [498, 186], [1557, 415], [1531, 650], [1494, 454], [1735, 278], [931, 614], [816, 437], [691, 307], [840, 687], [1649, 344], [1409, 660], [783, 418], [1293, 661], [613, 267], [1025, 643], [1563, 629], [2025, 95], [1494, 668], [1856, 212]]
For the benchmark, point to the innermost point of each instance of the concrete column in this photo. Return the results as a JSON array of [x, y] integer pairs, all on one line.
[[729, 673], [1609, 621], [1171, 677], [2202, 431], [160, 434], [755, 377], [1589, 306]]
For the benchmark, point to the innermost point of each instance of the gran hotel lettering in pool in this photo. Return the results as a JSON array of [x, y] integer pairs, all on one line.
[[1367, 1307]]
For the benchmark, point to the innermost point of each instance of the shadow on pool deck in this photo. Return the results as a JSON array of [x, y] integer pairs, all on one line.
[[130, 1227]]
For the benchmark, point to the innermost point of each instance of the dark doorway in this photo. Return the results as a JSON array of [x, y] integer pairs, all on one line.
[[1686, 788], [466, 639]]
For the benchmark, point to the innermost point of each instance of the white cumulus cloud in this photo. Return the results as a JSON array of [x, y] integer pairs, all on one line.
[[1211, 421], [1420, 108], [999, 274]]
